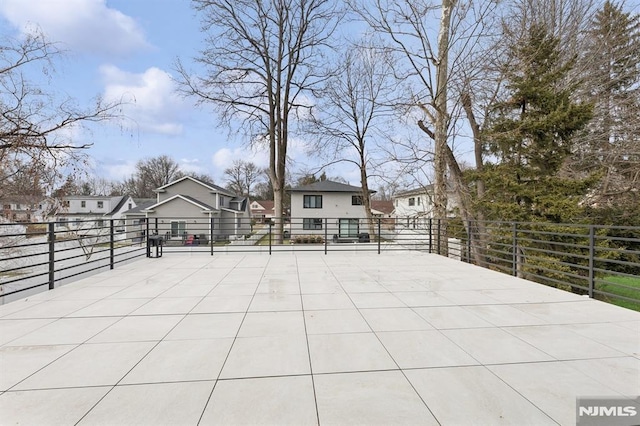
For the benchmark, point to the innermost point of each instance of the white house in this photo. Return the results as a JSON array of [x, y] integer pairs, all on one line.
[[19, 211], [189, 208], [336, 205], [418, 203], [262, 210], [90, 212]]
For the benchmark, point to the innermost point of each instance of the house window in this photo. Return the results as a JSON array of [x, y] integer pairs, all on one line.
[[419, 200], [178, 228], [100, 223], [348, 227], [83, 204], [312, 202], [312, 223], [412, 201], [129, 206], [357, 200], [100, 204], [65, 203]]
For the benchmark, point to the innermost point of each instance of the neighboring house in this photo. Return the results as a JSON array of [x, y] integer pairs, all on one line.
[[189, 207], [90, 213], [382, 208], [17, 211], [418, 203], [136, 219], [340, 204], [261, 211]]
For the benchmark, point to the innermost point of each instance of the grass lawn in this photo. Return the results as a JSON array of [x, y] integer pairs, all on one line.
[[613, 284]]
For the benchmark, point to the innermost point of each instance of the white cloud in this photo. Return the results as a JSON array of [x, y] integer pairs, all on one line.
[[192, 166], [151, 101], [223, 158], [81, 25], [120, 170]]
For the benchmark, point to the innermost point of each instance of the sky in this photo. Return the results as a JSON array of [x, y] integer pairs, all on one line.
[[126, 50]]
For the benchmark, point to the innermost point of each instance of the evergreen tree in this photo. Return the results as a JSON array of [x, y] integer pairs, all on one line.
[[611, 63], [531, 136]]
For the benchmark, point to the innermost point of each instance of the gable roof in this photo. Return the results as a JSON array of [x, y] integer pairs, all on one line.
[[117, 203], [267, 205], [210, 186], [141, 204], [328, 186], [383, 206], [186, 198]]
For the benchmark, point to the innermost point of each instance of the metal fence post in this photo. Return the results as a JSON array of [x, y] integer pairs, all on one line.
[[146, 234], [156, 225], [326, 234], [111, 244], [514, 248], [439, 236], [211, 224], [270, 227], [52, 258], [468, 241], [430, 235], [592, 251], [379, 235]]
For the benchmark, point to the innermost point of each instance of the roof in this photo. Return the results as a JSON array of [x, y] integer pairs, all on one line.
[[382, 206], [426, 189], [268, 205], [209, 185], [415, 191], [117, 203], [328, 186], [141, 204]]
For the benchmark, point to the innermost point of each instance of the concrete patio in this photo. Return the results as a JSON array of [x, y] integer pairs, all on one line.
[[401, 338]]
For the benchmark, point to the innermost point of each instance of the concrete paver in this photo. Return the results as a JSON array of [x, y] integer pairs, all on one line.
[[306, 338]]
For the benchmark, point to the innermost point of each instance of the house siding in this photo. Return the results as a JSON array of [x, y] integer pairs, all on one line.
[[190, 188], [335, 206]]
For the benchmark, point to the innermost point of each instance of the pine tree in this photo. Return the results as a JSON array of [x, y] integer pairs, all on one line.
[[612, 72], [531, 136]]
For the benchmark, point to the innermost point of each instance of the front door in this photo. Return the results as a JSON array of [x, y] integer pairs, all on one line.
[[349, 228]]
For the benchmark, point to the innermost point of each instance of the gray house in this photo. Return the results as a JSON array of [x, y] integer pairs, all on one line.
[[340, 204], [189, 208]]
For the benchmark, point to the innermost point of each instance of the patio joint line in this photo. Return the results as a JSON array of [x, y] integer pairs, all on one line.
[[244, 316]]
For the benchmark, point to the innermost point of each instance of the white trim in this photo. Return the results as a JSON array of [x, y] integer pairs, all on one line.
[[150, 208]]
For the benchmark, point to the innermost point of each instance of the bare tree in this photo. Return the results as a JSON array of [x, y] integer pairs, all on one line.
[[429, 59], [261, 57], [354, 107], [33, 120], [242, 176], [151, 173]]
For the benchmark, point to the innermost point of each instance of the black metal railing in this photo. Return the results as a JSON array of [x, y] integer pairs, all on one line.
[[34, 256], [602, 262]]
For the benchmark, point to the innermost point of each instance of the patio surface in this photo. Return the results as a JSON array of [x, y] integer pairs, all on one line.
[[307, 338]]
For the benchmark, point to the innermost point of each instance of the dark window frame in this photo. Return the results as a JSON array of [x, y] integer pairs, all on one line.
[[308, 204], [312, 224], [357, 200]]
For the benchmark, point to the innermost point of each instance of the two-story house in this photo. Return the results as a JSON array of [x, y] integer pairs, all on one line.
[[90, 212], [262, 210], [337, 205], [191, 207], [418, 203]]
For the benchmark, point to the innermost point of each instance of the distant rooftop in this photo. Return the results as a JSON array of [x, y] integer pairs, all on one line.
[[328, 186]]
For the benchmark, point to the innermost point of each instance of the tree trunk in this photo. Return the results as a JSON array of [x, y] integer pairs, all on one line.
[[442, 122]]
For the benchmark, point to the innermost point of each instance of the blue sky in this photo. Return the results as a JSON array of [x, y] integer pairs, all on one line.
[[125, 49]]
